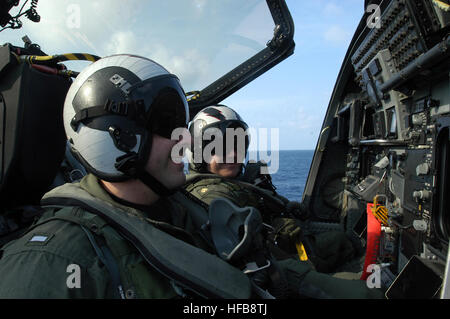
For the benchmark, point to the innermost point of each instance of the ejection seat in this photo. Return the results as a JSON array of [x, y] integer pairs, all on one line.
[[32, 137]]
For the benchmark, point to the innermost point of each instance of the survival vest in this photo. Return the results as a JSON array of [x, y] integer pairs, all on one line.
[[278, 204], [189, 267]]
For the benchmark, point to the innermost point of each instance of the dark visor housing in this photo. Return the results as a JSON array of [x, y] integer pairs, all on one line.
[[157, 104], [222, 126]]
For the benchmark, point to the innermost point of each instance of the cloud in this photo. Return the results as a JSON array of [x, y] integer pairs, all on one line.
[[198, 40], [200, 5], [122, 42], [302, 119], [337, 35], [189, 65], [192, 67], [331, 9], [257, 26]]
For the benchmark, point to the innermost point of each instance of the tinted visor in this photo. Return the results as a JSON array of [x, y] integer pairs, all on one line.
[[168, 108]]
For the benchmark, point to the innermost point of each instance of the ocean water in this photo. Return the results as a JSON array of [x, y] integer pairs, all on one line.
[[290, 179]]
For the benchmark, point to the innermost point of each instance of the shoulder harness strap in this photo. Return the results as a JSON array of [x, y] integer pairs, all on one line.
[[104, 253], [190, 267], [92, 227]]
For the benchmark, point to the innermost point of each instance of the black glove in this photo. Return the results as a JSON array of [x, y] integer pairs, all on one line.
[[287, 233], [297, 210]]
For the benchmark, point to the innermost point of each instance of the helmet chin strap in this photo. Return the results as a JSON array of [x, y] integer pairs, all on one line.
[[129, 165], [154, 184]]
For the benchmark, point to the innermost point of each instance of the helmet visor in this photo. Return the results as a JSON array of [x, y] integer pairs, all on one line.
[[166, 103]]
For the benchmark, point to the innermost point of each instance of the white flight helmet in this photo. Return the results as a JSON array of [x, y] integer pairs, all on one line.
[[111, 111], [218, 117]]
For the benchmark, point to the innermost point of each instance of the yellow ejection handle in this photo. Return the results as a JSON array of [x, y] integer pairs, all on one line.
[[301, 251], [380, 212]]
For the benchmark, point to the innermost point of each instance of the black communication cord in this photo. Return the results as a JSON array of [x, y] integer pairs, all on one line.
[[14, 22]]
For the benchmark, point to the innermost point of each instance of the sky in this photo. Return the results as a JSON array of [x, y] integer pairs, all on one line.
[[200, 40], [294, 95]]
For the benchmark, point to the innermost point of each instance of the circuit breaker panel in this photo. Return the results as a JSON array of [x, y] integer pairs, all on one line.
[[397, 130]]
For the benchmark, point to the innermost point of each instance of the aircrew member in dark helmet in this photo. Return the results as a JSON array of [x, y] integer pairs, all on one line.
[[118, 115], [217, 169]]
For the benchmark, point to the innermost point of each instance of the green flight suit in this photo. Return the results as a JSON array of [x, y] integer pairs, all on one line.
[[43, 262], [332, 248]]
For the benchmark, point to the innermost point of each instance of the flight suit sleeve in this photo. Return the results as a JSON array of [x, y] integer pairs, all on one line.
[[304, 281], [46, 264]]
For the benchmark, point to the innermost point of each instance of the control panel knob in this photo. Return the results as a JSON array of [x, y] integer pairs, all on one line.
[[423, 195], [423, 169]]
